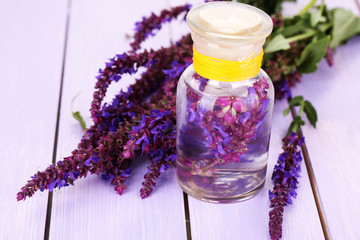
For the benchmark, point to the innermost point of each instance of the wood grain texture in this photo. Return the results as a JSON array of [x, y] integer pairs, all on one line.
[[249, 219], [334, 145], [91, 209], [31, 44]]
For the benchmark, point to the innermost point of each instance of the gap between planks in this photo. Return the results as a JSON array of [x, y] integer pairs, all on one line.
[[313, 184], [185, 196], [187, 217], [50, 196]]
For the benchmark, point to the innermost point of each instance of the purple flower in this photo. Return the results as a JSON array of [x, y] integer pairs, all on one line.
[[126, 172], [73, 175], [105, 176], [115, 77], [171, 158], [230, 107], [282, 89], [271, 195], [176, 69], [203, 83], [52, 185], [220, 149], [264, 105], [221, 129], [119, 56], [244, 117], [62, 183], [148, 26], [93, 159], [164, 167], [285, 174], [141, 125]]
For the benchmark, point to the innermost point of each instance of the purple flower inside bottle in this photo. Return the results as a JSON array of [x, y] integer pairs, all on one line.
[[224, 104]]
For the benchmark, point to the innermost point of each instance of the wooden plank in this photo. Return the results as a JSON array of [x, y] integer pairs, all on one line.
[[91, 209], [249, 219], [31, 47], [334, 145]]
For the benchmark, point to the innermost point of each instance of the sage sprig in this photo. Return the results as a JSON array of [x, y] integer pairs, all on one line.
[[318, 29], [305, 107]]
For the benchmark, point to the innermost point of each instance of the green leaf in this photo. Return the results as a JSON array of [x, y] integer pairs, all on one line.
[[296, 101], [80, 119], [286, 111], [312, 55], [278, 43], [310, 113], [293, 29], [298, 120], [346, 25], [316, 17], [323, 27]]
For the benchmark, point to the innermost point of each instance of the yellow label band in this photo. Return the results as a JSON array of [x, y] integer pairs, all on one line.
[[224, 70]]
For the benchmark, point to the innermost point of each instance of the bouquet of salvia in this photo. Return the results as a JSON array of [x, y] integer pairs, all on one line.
[[142, 118]]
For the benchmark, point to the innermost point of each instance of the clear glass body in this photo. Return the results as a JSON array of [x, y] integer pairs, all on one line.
[[223, 133]]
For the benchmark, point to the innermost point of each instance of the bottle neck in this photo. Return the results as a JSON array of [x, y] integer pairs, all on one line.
[[227, 51], [229, 63]]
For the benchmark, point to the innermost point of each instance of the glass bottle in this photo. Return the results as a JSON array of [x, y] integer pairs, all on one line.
[[224, 104]]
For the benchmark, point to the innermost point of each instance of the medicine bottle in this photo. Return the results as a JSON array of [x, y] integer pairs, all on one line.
[[224, 104]]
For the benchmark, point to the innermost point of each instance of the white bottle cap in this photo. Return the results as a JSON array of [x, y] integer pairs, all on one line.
[[229, 30]]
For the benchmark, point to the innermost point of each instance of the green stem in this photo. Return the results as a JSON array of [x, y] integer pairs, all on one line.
[[302, 105], [307, 7], [301, 36], [322, 6]]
